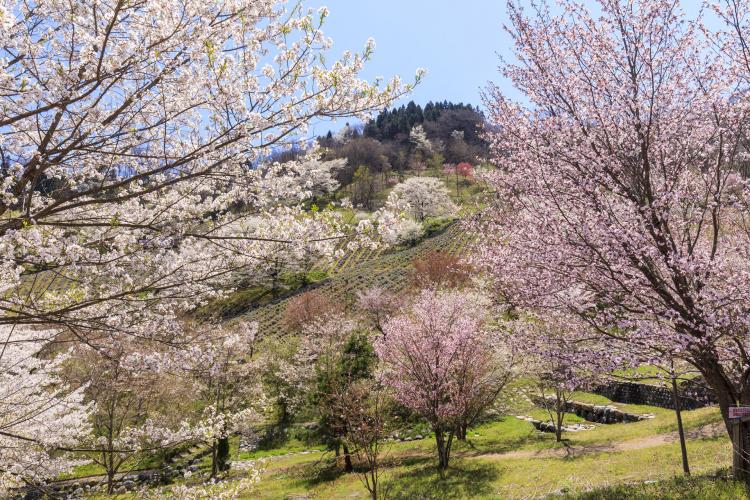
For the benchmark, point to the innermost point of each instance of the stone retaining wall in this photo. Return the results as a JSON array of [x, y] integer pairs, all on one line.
[[693, 394], [596, 413]]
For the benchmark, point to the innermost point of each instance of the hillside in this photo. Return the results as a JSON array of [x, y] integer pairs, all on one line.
[[361, 270]]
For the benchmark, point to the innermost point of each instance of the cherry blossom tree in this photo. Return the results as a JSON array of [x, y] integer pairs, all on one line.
[[275, 256], [40, 415], [420, 142], [132, 147], [307, 308], [319, 177], [421, 197], [439, 363], [137, 409], [363, 405], [560, 355], [620, 195], [440, 270], [146, 117], [379, 305], [464, 171], [226, 380]]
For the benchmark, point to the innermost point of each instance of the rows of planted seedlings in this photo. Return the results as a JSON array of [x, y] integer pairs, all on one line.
[[363, 269]]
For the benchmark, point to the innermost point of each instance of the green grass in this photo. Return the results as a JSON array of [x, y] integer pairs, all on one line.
[[482, 468], [697, 488], [507, 458], [415, 476]]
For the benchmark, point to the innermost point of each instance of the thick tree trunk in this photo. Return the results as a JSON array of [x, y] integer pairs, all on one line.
[[741, 455], [348, 467], [680, 429], [728, 395]]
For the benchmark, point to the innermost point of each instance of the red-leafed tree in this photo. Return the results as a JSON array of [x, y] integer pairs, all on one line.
[[465, 170]]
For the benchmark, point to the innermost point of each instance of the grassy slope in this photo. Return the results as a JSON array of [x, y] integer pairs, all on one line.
[[508, 459], [362, 270]]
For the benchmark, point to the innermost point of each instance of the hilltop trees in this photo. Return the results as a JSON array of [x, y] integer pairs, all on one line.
[[422, 197], [620, 194]]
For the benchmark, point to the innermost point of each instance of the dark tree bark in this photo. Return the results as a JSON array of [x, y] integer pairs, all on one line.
[[348, 467]]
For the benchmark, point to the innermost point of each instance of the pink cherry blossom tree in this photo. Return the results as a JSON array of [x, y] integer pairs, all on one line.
[[378, 304], [559, 355], [439, 363], [620, 191]]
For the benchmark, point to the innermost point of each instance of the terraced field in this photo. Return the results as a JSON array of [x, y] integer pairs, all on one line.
[[362, 270]]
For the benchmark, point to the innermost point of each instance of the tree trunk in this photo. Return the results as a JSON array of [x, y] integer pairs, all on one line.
[[728, 395], [442, 462], [444, 450], [110, 482], [214, 471], [348, 467], [559, 414], [461, 431], [374, 481], [222, 454], [740, 458], [680, 429]]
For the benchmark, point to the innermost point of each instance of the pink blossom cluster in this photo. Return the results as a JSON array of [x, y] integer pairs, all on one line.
[[437, 356], [622, 182]]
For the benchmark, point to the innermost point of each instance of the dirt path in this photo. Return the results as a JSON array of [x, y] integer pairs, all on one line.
[[708, 431]]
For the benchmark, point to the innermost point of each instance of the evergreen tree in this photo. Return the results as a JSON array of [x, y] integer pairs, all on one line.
[[355, 362]]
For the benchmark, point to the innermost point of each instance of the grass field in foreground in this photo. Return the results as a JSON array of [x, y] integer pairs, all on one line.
[[507, 458]]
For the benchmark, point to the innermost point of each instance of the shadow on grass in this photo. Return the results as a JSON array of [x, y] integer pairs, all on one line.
[[331, 468], [463, 480], [473, 448], [714, 487]]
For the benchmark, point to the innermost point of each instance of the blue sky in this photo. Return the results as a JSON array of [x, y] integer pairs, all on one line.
[[455, 40], [458, 42]]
